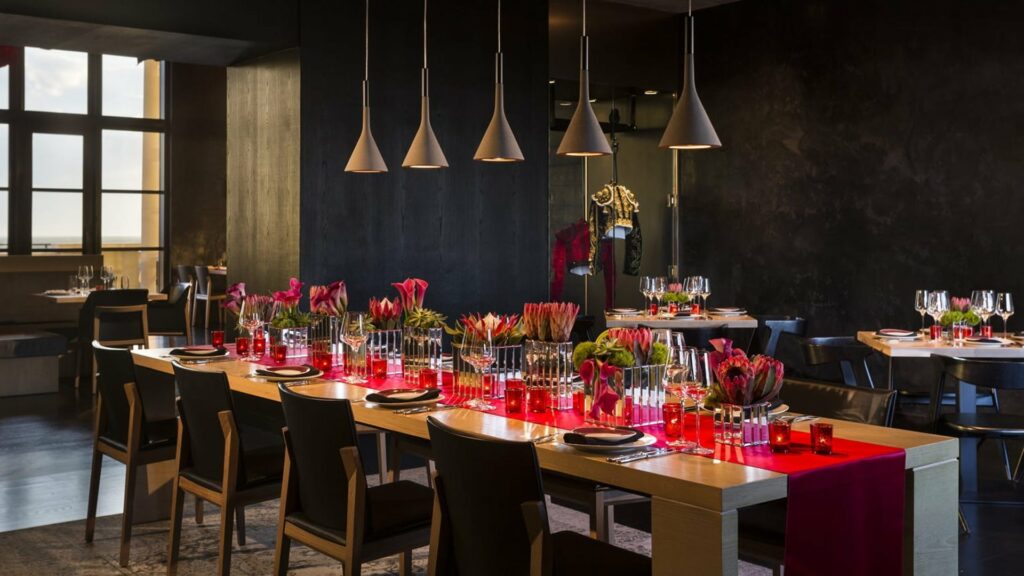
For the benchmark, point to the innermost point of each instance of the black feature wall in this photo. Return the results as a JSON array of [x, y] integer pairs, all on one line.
[[476, 232], [870, 148]]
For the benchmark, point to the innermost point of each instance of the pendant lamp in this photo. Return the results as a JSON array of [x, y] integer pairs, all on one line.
[[689, 128], [425, 152], [366, 158], [499, 143], [584, 136]]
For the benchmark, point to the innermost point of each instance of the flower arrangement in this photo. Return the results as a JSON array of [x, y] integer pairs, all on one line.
[[330, 300], [411, 293], [386, 314], [549, 321], [621, 347], [675, 293], [505, 329], [959, 311], [741, 380], [286, 307], [234, 297]]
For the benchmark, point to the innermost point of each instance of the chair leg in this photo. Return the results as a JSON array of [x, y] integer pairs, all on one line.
[[94, 494], [405, 564], [240, 520], [598, 519], [1016, 470], [964, 526], [130, 474], [195, 307], [174, 538], [227, 511], [1006, 460], [199, 510], [392, 458], [282, 548], [206, 315], [430, 473]]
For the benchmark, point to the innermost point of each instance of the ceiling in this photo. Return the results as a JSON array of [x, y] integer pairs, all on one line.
[[674, 6]]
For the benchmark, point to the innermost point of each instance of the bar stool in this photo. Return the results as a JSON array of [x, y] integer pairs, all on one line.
[[209, 292]]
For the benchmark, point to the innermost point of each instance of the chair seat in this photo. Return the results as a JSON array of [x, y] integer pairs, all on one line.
[[985, 399], [159, 434], [575, 554], [391, 509], [985, 425], [263, 458]]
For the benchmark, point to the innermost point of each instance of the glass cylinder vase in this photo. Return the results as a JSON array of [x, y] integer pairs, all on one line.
[[421, 353], [548, 374], [741, 425], [641, 394], [508, 364], [295, 339], [386, 346]]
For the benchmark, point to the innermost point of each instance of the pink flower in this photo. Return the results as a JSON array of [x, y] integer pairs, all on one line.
[[961, 304], [385, 313], [734, 375], [235, 296], [768, 375], [291, 296], [411, 292], [331, 299], [723, 351], [500, 326], [675, 287], [605, 396], [637, 340]]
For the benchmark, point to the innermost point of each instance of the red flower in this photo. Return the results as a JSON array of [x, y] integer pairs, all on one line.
[[502, 327], [291, 296], [385, 313], [331, 299], [411, 292], [235, 296], [734, 374], [605, 396]]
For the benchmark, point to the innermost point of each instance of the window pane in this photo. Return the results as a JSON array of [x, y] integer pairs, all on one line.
[[4, 158], [143, 268], [56, 161], [3, 219], [131, 220], [56, 80], [132, 160], [132, 88], [56, 220], [5, 79]]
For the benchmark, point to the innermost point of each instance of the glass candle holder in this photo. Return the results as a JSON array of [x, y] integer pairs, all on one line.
[[579, 401], [259, 344], [428, 378], [821, 438], [322, 361], [242, 345], [217, 338], [673, 308], [778, 435], [694, 309], [539, 399], [672, 415], [652, 310], [515, 392], [985, 331], [279, 352], [379, 365], [935, 332]]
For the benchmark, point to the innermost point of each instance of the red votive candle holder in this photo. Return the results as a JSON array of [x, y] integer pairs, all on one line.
[[242, 345], [259, 344], [579, 401], [652, 310], [428, 378], [379, 366], [672, 414], [217, 338], [322, 361], [279, 352], [673, 308], [694, 309], [936, 332], [539, 399], [985, 331], [821, 438], [515, 391], [778, 435]]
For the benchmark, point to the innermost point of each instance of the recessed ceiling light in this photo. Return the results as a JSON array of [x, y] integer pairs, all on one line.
[[650, 92], [592, 100], [551, 81], [564, 103]]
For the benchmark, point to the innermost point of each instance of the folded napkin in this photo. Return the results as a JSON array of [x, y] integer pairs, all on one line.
[[301, 371], [198, 351], [602, 436], [980, 340], [394, 396], [896, 333]]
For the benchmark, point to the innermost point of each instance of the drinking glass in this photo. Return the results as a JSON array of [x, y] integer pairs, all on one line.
[[676, 377], [646, 288], [1004, 307], [921, 304], [354, 333], [659, 286], [87, 275], [983, 303], [107, 276], [696, 388], [479, 353], [83, 278], [251, 317], [705, 291], [938, 305], [691, 285]]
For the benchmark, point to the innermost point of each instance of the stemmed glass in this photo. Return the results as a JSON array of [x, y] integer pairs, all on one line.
[[84, 274], [938, 304], [1004, 308], [478, 353], [921, 304], [696, 388], [646, 287], [676, 376], [659, 285], [354, 332], [107, 275], [705, 291], [692, 286], [251, 317], [983, 303]]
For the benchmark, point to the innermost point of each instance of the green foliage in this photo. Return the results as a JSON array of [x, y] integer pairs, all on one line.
[[659, 354], [953, 316], [583, 351], [677, 297], [289, 317], [603, 350], [424, 318]]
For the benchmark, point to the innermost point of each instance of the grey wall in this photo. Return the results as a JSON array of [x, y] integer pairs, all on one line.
[[870, 148], [476, 232]]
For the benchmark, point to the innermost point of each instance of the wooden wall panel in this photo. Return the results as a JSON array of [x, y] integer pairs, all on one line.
[[263, 171]]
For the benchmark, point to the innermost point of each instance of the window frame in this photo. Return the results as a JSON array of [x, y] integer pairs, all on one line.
[[22, 124]]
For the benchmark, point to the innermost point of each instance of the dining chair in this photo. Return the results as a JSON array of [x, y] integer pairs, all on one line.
[[762, 528], [120, 327], [171, 318], [701, 337], [842, 352], [186, 274], [122, 432], [211, 290], [325, 501], [490, 515], [114, 331], [770, 329], [220, 459]]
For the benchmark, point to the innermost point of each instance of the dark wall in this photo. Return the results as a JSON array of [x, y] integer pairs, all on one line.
[[477, 232], [870, 148], [198, 149]]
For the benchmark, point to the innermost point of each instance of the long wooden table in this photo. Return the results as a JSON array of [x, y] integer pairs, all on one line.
[[694, 499], [81, 298], [632, 321]]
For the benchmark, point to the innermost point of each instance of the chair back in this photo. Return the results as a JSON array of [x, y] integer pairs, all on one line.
[[202, 279], [132, 297], [318, 428], [121, 325], [178, 293], [202, 395], [1000, 374], [845, 352], [701, 337], [831, 400], [485, 481], [186, 274], [116, 368], [771, 328]]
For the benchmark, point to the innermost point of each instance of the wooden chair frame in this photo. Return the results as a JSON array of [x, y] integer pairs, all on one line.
[[209, 298], [141, 309]]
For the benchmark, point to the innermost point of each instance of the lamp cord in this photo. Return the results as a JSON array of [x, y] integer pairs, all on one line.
[[424, 33], [584, 17], [499, 25], [366, 34]]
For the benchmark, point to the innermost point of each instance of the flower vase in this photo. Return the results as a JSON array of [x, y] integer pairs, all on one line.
[[741, 425], [386, 346], [640, 391], [548, 375], [421, 352], [296, 340], [508, 364]]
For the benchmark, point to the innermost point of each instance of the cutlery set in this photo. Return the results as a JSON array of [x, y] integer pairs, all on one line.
[[641, 455]]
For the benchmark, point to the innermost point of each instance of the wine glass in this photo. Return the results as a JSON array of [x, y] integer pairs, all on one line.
[[696, 388], [983, 303], [646, 286], [251, 317], [705, 291], [691, 285], [354, 332], [676, 376], [659, 286], [87, 275], [921, 304], [82, 278], [938, 304], [107, 275], [1004, 308], [478, 353]]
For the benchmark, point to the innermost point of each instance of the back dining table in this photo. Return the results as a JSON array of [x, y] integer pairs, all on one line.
[[695, 499]]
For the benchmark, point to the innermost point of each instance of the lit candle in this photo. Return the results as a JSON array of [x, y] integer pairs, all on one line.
[[778, 435], [279, 352], [217, 338], [672, 414], [821, 438], [242, 345], [259, 344], [428, 378], [514, 392], [379, 366]]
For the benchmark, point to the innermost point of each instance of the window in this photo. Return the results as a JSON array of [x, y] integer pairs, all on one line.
[[131, 88], [4, 186], [56, 81], [57, 191], [132, 160]]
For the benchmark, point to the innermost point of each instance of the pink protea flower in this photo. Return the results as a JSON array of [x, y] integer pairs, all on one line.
[[637, 340], [291, 296], [385, 313], [734, 374], [411, 292], [502, 327], [235, 296], [723, 351], [331, 299], [960, 304], [768, 375]]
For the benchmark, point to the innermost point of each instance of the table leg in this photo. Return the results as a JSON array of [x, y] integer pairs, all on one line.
[[681, 534], [892, 384], [930, 520], [967, 395], [153, 488]]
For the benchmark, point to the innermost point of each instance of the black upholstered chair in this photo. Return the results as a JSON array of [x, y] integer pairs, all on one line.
[[220, 459], [211, 290], [186, 274], [171, 318], [843, 352], [122, 432], [126, 328], [490, 515], [325, 501], [762, 528], [770, 329]]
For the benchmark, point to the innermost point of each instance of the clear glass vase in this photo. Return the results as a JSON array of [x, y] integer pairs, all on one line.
[[641, 393], [421, 353], [508, 364], [548, 374], [386, 346], [295, 339], [741, 425]]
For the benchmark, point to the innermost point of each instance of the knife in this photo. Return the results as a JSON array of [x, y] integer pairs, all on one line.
[[642, 456]]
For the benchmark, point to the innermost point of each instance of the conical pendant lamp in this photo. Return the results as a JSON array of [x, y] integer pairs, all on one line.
[[584, 136], [499, 143], [689, 128], [425, 151], [366, 158]]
